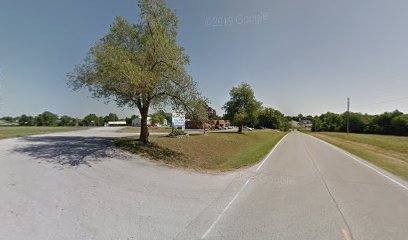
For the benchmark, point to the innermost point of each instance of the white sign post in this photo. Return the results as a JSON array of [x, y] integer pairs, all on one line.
[[178, 119]]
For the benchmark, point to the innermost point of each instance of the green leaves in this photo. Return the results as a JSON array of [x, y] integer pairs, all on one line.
[[242, 107], [198, 111], [271, 118], [141, 64], [158, 117]]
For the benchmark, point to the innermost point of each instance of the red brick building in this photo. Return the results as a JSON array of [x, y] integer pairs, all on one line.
[[221, 123], [194, 125], [211, 123]]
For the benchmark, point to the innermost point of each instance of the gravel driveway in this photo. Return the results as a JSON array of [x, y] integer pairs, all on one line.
[[74, 185]]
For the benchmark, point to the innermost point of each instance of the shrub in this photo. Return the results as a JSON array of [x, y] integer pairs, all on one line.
[[177, 132]]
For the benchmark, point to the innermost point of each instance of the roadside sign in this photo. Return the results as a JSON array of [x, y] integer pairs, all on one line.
[[178, 119]]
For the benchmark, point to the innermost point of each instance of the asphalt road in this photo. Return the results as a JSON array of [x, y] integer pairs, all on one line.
[[305, 189], [308, 189]]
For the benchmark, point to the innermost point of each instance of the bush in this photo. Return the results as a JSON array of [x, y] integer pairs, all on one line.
[[177, 132]]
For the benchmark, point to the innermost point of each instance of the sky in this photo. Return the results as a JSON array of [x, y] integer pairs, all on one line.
[[299, 56]]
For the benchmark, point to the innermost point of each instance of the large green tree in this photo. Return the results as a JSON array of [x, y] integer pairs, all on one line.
[[270, 118], [399, 125], [242, 108], [67, 121], [91, 120], [25, 120], [158, 117], [46, 119], [139, 64], [112, 117], [199, 112]]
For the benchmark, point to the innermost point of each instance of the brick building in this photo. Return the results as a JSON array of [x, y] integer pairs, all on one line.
[[212, 123], [221, 123]]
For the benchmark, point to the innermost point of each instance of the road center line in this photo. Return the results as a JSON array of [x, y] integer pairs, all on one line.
[[242, 188], [345, 234], [327, 187]]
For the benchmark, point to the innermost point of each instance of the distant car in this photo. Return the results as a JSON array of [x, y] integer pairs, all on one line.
[[230, 127], [225, 128], [218, 127]]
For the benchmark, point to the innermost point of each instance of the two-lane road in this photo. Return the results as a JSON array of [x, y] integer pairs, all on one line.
[[310, 190], [305, 189]]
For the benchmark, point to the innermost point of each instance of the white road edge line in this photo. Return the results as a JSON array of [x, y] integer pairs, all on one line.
[[242, 188], [361, 162], [269, 154], [225, 209]]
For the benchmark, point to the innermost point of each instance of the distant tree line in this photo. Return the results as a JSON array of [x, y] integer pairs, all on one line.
[[395, 123], [50, 119]]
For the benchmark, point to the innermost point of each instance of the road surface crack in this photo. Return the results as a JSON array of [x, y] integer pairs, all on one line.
[[328, 190]]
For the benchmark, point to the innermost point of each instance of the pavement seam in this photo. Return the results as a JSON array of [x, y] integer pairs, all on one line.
[[328, 190]]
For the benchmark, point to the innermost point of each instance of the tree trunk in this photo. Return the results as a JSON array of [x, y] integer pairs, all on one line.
[[240, 128], [144, 131]]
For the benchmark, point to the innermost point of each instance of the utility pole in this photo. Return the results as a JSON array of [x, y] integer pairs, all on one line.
[[348, 115]]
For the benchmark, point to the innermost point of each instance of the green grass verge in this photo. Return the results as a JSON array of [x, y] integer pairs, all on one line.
[[387, 152], [10, 132], [214, 152], [137, 129]]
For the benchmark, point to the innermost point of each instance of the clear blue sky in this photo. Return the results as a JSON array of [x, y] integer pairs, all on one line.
[[300, 56]]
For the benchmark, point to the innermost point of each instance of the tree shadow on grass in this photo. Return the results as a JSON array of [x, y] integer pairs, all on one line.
[[151, 150], [231, 133], [63, 150], [235, 132]]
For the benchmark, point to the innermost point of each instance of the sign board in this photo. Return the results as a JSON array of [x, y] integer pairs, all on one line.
[[178, 119]]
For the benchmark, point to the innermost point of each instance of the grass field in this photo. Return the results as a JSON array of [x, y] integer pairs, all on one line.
[[10, 132], [213, 152], [387, 152], [137, 129]]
